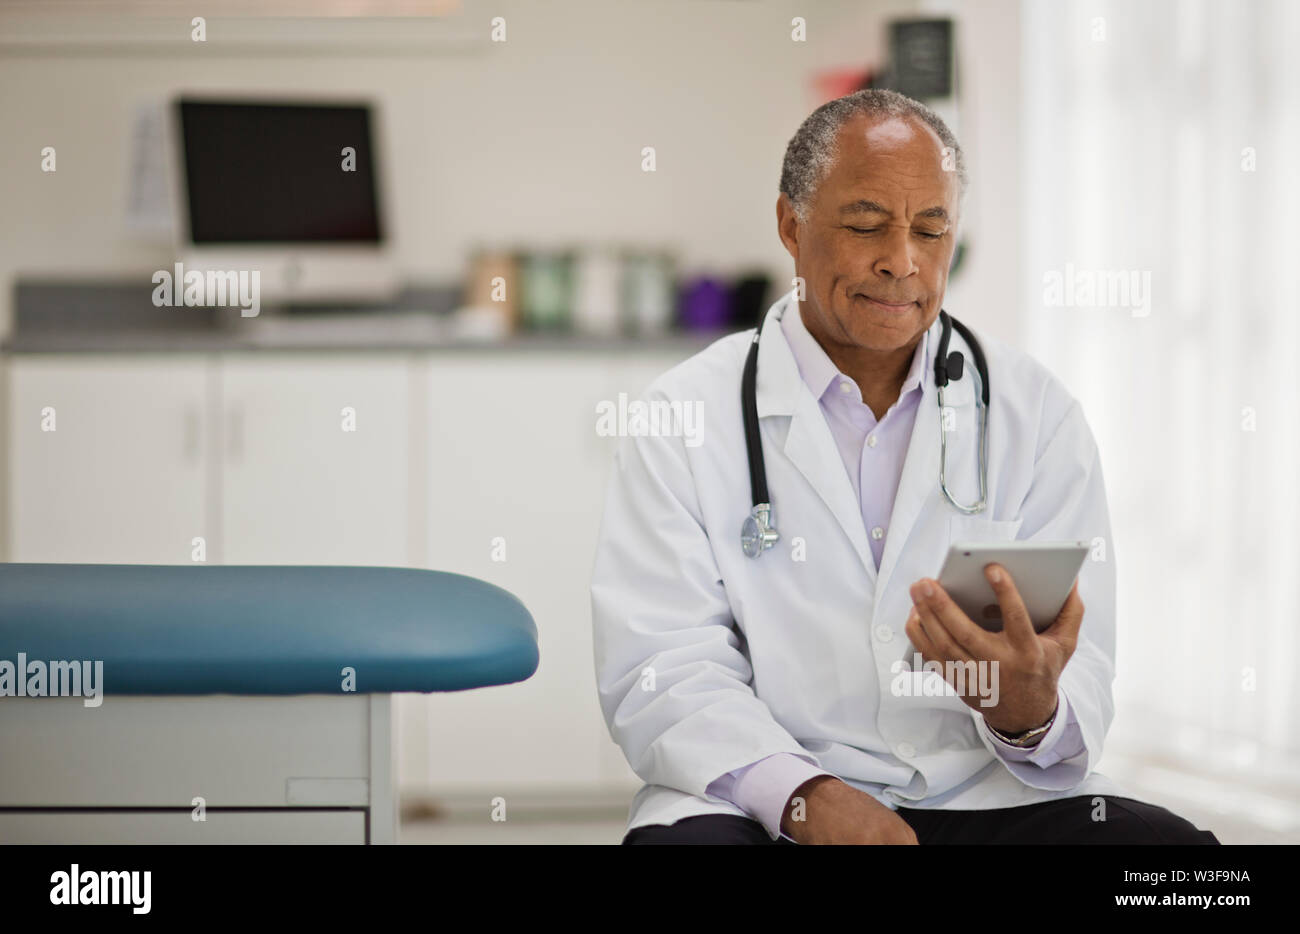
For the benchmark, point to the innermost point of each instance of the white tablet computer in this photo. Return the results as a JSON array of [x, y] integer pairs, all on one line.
[[1043, 573]]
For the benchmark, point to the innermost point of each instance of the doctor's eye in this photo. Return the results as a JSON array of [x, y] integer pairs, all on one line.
[[864, 230], [928, 235]]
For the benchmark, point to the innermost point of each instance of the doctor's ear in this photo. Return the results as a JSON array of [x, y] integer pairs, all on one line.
[[788, 226]]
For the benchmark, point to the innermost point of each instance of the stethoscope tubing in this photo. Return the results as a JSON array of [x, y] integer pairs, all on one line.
[[759, 533]]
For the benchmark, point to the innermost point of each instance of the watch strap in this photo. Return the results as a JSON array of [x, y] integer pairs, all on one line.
[[1025, 737]]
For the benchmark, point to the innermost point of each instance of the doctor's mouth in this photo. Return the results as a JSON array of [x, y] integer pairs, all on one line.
[[886, 306]]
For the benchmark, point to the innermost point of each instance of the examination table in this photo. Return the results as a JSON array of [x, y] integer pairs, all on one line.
[[240, 704]]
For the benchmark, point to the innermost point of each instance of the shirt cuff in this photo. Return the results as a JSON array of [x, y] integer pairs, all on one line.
[[763, 789], [1063, 740]]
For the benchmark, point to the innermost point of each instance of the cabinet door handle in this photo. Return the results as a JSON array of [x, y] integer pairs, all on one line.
[[190, 434], [235, 432]]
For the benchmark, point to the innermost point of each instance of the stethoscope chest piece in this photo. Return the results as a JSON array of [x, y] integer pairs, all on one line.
[[757, 533]]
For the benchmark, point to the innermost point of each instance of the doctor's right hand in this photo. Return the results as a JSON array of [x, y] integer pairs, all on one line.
[[834, 812]]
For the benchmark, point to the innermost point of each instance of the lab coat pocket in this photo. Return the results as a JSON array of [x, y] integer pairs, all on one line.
[[979, 529]]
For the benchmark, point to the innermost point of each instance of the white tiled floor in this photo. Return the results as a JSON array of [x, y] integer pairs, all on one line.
[[569, 830], [573, 830], [576, 829], [564, 821], [1235, 814]]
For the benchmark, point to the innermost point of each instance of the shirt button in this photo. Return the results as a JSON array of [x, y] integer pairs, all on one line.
[[846, 386], [871, 441], [877, 533], [884, 633], [906, 750]]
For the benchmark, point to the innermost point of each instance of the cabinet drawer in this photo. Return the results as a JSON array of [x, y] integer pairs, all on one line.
[[178, 826], [145, 752]]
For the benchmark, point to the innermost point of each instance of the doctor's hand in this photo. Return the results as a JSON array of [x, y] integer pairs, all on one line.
[[834, 812], [1029, 663]]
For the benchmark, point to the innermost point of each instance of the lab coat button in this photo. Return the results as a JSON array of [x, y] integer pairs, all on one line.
[[877, 533], [884, 633], [906, 750]]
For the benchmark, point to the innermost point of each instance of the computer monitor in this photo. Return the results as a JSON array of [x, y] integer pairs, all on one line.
[[290, 188]]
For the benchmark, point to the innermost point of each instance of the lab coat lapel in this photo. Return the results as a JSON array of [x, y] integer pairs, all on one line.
[[918, 487], [811, 448], [808, 444]]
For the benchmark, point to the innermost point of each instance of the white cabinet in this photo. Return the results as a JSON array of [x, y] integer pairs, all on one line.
[[137, 769], [107, 458], [482, 462], [283, 458], [517, 478], [513, 475], [315, 459]]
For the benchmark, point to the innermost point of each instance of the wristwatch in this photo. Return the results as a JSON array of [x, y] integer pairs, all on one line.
[[1025, 738]]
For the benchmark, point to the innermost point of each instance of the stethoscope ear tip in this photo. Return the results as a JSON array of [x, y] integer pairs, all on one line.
[[956, 365], [948, 369]]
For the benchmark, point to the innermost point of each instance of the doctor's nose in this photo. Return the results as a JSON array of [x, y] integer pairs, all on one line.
[[895, 259]]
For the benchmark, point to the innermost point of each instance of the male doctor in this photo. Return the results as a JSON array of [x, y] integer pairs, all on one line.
[[783, 698]]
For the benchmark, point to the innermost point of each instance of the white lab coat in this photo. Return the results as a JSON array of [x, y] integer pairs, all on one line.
[[707, 660]]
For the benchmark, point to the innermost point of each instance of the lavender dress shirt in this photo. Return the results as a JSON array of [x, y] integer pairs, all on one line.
[[873, 452]]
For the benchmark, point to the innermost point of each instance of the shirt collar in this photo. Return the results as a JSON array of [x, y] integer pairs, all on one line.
[[819, 371]]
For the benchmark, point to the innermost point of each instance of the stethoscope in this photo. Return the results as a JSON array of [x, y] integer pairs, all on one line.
[[758, 533]]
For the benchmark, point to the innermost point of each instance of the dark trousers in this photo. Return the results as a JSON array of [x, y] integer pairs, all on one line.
[[1065, 820]]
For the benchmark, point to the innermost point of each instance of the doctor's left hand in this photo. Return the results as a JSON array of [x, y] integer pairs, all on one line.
[[1029, 663]]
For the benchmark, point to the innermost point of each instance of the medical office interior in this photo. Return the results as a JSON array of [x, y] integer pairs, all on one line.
[[379, 401]]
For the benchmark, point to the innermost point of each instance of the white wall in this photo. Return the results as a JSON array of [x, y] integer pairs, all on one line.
[[535, 141], [986, 293]]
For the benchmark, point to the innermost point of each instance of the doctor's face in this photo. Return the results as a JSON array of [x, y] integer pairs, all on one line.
[[879, 238]]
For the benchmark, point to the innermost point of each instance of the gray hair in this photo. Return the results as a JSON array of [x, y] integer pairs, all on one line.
[[812, 150]]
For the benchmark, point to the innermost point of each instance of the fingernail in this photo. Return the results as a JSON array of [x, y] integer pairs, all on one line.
[[926, 589], [995, 575]]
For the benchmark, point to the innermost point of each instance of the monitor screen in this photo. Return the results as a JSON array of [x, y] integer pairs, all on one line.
[[279, 173]]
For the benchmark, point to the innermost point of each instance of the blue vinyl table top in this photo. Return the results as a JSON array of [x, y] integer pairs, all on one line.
[[271, 629]]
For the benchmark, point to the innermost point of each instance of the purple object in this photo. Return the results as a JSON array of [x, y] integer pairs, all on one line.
[[705, 304]]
